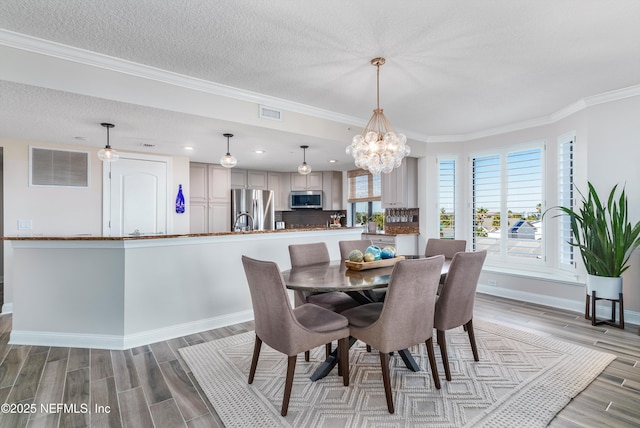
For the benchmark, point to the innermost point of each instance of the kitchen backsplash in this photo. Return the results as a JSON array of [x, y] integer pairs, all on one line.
[[298, 219]]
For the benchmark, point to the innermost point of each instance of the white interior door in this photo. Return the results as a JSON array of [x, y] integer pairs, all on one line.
[[135, 197]]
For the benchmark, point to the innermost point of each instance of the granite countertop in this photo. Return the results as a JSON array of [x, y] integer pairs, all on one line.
[[389, 234], [185, 235]]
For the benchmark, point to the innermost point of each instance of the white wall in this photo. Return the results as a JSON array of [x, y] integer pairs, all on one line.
[[613, 142], [607, 152], [59, 211], [121, 294]]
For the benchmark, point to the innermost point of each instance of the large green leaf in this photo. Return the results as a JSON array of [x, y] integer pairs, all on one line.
[[603, 233]]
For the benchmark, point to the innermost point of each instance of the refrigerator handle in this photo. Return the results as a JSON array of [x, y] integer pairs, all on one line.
[[257, 215]]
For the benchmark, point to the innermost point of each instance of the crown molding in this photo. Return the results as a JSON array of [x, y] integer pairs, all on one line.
[[605, 97], [94, 59], [85, 57]]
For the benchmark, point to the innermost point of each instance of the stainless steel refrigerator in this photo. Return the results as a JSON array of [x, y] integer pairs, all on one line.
[[252, 209]]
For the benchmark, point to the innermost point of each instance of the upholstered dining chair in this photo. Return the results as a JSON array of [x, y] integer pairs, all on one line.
[[315, 253], [454, 307], [404, 319], [357, 244], [446, 247], [310, 254], [287, 330]]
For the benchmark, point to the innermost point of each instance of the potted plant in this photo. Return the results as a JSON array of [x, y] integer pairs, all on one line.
[[605, 237]]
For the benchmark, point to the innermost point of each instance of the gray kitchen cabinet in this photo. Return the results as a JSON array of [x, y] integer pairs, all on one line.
[[311, 181], [332, 191], [257, 180], [405, 245], [248, 179], [400, 186], [238, 178], [209, 198], [279, 183]]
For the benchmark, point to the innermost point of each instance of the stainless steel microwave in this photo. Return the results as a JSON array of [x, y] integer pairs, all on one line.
[[306, 199]]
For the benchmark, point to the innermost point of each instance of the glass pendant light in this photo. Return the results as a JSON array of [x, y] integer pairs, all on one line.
[[108, 154], [228, 161], [378, 148], [304, 167]]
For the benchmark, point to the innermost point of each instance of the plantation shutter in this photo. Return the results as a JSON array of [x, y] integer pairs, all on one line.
[[565, 199], [486, 183], [447, 197], [524, 203]]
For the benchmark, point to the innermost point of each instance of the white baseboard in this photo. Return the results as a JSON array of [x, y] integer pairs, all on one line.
[[115, 342], [72, 340], [7, 308], [603, 312], [162, 334]]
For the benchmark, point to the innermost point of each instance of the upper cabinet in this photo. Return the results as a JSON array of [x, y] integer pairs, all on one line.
[[247, 179], [311, 181], [279, 183], [332, 191], [399, 187]]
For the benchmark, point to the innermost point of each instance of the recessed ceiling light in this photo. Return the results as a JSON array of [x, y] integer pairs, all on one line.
[[332, 161], [188, 148], [259, 152]]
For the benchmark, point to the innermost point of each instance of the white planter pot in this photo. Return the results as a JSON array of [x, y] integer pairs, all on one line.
[[604, 286], [372, 227]]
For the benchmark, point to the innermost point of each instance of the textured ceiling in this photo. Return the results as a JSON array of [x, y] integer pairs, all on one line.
[[453, 67]]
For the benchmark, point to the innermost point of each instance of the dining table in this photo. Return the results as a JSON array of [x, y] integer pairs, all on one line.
[[359, 284]]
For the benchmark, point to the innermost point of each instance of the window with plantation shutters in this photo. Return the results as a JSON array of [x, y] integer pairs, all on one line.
[[59, 168], [566, 199], [507, 203], [447, 197]]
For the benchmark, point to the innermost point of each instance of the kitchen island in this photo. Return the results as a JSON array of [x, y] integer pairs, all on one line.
[[123, 292]]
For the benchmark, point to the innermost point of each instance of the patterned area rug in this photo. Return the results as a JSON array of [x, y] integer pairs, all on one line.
[[521, 380]]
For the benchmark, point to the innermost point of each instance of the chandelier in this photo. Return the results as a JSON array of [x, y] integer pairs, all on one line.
[[378, 148], [108, 154]]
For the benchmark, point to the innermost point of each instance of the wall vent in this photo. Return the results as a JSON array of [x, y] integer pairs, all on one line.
[[60, 168], [270, 113]]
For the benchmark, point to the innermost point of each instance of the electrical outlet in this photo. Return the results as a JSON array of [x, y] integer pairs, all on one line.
[[492, 282], [24, 225]]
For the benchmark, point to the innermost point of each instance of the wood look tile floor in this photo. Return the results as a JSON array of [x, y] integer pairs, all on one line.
[[151, 386]]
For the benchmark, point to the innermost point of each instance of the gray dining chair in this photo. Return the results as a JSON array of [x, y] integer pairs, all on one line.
[[357, 244], [404, 319], [446, 247], [454, 307], [310, 254], [315, 253], [287, 330]]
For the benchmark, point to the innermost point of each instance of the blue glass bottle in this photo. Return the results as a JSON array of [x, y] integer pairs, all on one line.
[[180, 200]]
